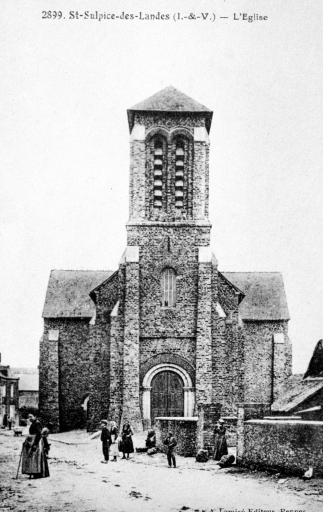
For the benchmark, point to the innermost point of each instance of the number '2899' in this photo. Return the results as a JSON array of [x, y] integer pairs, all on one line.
[[51, 15]]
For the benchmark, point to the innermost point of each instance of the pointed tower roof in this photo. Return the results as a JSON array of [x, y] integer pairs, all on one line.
[[315, 367], [170, 100]]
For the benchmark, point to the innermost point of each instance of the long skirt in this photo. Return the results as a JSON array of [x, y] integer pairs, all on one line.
[[127, 445], [221, 447], [114, 452], [34, 462]]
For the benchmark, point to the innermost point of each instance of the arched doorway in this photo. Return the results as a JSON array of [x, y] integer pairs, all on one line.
[[167, 395], [185, 380]]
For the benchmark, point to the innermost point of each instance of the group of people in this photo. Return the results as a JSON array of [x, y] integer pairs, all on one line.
[[112, 444], [35, 450]]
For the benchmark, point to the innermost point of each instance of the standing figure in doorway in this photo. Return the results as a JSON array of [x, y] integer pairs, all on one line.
[[114, 441], [220, 442], [106, 441], [126, 439], [34, 460]]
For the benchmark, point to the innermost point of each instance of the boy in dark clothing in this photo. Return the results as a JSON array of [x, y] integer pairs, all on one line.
[[170, 442], [106, 440]]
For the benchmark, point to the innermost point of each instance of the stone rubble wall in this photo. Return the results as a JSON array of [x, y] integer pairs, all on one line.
[[106, 297], [287, 446], [267, 365], [64, 373], [228, 350], [184, 431]]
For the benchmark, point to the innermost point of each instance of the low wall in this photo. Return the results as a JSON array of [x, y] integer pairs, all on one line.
[[288, 446], [184, 430]]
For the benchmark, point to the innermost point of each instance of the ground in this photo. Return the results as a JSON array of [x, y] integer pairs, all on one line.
[[79, 482]]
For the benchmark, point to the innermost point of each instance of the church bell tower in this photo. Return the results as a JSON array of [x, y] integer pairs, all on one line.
[[169, 265], [169, 173]]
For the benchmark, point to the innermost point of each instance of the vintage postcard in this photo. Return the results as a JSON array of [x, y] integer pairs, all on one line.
[[161, 256]]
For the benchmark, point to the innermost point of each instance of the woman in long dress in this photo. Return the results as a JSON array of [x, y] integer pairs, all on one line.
[[114, 441], [34, 460], [220, 445], [126, 439]]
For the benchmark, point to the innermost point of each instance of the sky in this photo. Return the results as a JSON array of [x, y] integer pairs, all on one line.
[[64, 143]]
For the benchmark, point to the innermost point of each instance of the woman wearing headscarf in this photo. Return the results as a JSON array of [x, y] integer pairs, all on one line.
[[126, 437], [114, 441], [220, 445], [34, 460]]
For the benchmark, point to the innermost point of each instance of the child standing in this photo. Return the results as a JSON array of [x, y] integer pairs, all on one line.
[[170, 442], [114, 441]]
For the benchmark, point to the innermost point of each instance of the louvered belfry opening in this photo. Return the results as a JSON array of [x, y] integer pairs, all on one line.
[[158, 173], [179, 175]]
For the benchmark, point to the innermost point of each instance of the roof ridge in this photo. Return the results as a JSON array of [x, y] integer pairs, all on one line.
[[79, 270], [252, 271]]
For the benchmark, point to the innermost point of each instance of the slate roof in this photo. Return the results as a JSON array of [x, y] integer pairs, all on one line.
[[170, 100], [68, 293], [297, 391], [265, 297]]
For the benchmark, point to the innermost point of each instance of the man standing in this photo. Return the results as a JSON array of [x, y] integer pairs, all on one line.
[[170, 442], [106, 440]]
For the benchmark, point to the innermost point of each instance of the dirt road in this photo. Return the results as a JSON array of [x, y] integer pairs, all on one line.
[[79, 482]]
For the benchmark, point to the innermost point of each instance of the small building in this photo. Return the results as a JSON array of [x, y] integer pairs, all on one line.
[[28, 388], [304, 393], [9, 395]]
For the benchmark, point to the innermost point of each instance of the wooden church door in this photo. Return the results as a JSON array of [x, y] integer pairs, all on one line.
[[167, 395]]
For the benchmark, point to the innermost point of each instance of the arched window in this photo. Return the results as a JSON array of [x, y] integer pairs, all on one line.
[[168, 285], [179, 175], [158, 173]]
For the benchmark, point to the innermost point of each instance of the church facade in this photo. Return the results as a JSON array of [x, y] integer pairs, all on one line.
[[167, 332]]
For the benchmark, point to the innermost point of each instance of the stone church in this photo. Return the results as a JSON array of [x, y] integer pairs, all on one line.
[[167, 332]]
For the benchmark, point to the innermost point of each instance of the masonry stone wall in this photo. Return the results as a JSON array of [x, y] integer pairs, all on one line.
[[184, 431], [181, 346], [106, 296], [161, 248], [64, 373], [228, 350], [49, 395], [287, 446], [267, 365]]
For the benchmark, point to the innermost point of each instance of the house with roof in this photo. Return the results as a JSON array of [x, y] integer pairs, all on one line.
[[166, 333], [304, 393], [9, 395], [28, 387]]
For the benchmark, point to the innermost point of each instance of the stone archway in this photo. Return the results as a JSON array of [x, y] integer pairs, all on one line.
[[189, 391]]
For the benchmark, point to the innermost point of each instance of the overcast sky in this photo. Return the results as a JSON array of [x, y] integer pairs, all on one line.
[[64, 143]]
